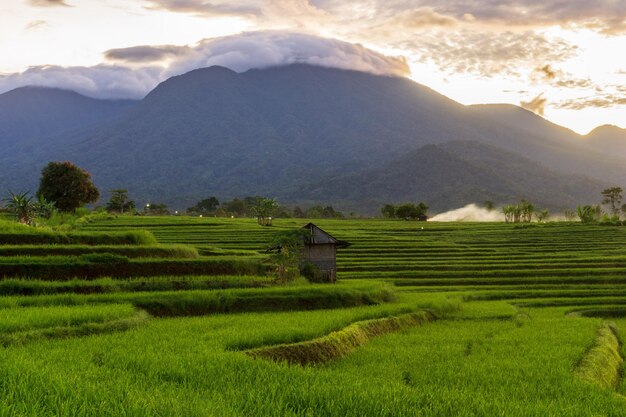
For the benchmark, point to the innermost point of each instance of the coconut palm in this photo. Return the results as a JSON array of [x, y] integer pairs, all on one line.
[[22, 206]]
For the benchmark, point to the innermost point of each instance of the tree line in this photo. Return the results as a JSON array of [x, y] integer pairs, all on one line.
[[64, 187], [407, 211], [260, 207]]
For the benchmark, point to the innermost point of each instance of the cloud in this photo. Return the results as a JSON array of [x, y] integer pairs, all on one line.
[[146, 53], [606, 16], [36, 25], [601, 101], [206, 7], [547, 72], [469, 213], [536, 105], [133, 72], [402, 26], [47, 3], [101, 81], [275, 48], [559, 78], [487, 53], [292, 13]]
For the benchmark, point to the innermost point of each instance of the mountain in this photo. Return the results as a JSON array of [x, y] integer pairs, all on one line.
[[454, 174], [522, 131], [29, 113], [608, 139], [284, 131], [35, 121]]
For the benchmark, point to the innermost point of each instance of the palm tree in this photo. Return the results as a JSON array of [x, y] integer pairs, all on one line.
[[22, 206]]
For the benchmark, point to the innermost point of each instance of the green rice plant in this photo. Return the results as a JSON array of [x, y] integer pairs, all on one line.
[[193, 303], [340, 343], [141, 284], [197, 302], [87, 328], [603, 362], [14, 320], [508, 349], [180, 366], [98, 265], [103, 258], [42, 237], [131, 251]]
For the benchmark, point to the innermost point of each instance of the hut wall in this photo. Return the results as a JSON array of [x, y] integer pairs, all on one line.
[[324, 257]]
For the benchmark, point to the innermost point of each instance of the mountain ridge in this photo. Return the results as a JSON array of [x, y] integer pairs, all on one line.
[[276, 131]]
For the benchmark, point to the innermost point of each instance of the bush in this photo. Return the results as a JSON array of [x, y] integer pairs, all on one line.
[[66, 268], [312, 273], [42, 237], [103, 258]]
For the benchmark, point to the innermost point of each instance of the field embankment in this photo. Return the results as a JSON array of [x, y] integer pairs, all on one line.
[[340, 343], [603, 363]]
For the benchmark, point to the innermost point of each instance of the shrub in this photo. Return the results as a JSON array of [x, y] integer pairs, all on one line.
[[103, 258], [312, 273]]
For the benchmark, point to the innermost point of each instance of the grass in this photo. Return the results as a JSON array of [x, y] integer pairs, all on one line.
[[519, 311], [603, 363], [341, 343], [39, 317], [43, 237], [198, 302], [96, 265], [19, 326], [130, 251], [140, 284]]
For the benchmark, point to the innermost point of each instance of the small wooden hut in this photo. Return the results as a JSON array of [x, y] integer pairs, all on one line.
[[320, 249]]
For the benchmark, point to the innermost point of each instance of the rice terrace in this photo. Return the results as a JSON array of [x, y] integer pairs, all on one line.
[[426, 318], [312, 208]]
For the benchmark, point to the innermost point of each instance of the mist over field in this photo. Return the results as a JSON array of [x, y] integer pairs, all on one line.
[[469, 213]]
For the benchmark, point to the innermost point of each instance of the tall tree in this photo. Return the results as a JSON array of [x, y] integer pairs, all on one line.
[[22, 206], [67, 186], [613, 198], [263, 209], [543, 215], [119, 202], [589, 214], [286, 249], [206, 206], [388, 211], [411, 211], [527, 210]]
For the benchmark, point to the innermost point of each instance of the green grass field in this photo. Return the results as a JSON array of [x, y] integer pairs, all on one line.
[[427, 319]]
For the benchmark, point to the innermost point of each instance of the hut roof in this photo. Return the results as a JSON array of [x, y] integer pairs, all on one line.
[[320, 237]]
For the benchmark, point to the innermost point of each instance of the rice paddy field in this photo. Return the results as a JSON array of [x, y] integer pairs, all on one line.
[[181, 316]]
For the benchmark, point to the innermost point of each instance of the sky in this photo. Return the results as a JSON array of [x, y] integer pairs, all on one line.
[[562, 59]]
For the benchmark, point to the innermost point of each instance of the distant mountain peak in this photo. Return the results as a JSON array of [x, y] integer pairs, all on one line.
[[30, 89], [606, 130], [297, 132]]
